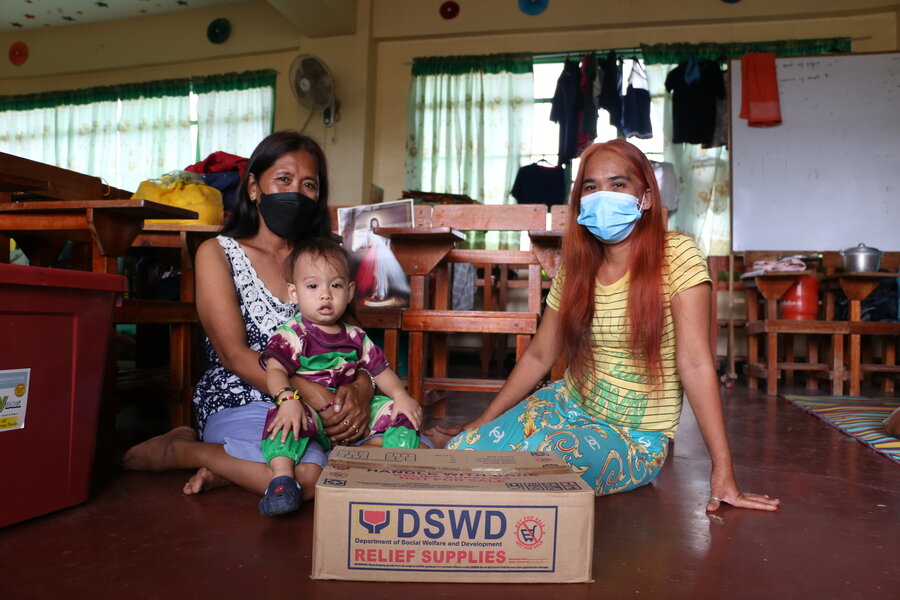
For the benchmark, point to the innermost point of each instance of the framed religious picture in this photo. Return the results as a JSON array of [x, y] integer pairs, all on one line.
[[380, 280]]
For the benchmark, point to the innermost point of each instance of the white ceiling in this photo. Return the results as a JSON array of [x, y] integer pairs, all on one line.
[[19, 15]]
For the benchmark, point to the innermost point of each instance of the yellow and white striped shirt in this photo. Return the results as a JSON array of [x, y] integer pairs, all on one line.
[[618, 389]]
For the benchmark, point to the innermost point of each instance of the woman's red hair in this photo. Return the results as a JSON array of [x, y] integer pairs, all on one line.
[[582, 255]]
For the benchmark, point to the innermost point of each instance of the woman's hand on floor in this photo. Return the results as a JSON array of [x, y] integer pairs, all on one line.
[[728, 492]]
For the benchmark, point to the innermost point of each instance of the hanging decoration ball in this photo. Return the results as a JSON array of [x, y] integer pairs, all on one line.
[[449, 10], [533, 7], [18, 53], [731, 1], [218, 31]]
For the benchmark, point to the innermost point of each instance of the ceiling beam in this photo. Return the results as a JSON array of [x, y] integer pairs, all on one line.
[[319, 18]]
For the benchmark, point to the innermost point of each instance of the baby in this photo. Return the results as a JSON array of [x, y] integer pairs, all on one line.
[[317, 345]]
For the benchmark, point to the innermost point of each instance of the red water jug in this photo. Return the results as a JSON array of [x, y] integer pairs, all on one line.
[[801, 301]]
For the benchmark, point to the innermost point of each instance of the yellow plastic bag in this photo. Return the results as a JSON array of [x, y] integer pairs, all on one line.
[[185, 190]]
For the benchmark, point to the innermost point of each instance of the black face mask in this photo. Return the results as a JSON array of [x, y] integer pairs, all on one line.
[[286, 214]]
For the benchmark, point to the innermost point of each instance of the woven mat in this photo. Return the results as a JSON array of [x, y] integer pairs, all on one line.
[[861, 418]]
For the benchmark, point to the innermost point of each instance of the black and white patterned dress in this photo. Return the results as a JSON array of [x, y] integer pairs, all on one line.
[[262, 311]]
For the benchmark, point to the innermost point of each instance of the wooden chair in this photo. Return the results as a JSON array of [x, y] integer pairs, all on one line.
[[495, 266], [438, 322], [385, 319], [728, 268]]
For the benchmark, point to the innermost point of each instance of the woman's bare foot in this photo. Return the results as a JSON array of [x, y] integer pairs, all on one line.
[[156, 453], [203, 481]]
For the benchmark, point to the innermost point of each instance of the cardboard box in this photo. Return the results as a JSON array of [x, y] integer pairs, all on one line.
[[464, 516]]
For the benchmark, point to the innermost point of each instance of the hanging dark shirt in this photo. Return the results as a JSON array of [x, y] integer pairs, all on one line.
[[537, 184], [694, 103], [588, 130], [611, 91], [566, 108]]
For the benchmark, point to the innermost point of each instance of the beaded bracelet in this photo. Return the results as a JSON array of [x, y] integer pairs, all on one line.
[[371, 378], [294, 394], [326, 407]]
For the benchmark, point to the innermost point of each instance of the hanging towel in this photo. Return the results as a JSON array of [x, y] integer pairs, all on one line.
[[759, 84]]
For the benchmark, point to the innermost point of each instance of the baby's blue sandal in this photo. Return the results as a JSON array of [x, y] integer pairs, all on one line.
[[282, 496]]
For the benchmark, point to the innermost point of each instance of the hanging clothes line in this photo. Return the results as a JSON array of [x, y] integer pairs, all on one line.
[[678, 52], [548, 57]]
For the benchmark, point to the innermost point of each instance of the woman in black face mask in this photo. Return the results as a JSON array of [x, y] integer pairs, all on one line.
[[242, 297]]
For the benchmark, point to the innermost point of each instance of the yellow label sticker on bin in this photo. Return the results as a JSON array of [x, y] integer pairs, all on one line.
[[13, 398]]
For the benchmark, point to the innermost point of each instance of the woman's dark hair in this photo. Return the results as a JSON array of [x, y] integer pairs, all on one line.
[[244, 219]]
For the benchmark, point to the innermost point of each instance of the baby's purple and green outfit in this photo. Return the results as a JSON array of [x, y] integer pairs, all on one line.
[[331, 360]]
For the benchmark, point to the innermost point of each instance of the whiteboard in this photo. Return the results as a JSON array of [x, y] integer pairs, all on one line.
[[828, 177]]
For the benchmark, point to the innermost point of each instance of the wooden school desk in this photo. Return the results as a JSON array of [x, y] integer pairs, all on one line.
[[772, 285], [857, 287]]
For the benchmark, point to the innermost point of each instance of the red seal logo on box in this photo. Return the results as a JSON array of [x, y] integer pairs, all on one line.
[[529, 533]]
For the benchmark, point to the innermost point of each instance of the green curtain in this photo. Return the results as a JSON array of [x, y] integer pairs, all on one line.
[[469, 127], [234, 111], [152, 89], [674, 54], [234, 81], [154, 138], [459, 65], [132, 132]]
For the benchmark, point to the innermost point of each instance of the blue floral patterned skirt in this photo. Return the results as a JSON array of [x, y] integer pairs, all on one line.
[[609, 458]]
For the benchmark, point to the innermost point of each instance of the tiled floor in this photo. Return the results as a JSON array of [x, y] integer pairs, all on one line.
[[836, 535]]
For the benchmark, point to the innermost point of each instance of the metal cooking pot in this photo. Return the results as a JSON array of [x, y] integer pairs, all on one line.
[[861, 258]]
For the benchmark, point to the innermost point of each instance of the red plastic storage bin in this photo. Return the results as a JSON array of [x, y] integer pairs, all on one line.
[[57, 323]]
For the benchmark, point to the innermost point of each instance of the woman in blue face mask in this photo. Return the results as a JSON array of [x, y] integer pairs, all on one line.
[[242, 296], [630, 307]]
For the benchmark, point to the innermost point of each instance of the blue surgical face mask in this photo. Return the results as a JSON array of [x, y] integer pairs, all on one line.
[[610, 216]]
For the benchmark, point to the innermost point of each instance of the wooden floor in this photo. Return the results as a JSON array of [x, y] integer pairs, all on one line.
[[836, 535]]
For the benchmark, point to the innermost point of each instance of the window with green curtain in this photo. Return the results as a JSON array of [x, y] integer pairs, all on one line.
[[132, 132], [469, 128], [234, 111]]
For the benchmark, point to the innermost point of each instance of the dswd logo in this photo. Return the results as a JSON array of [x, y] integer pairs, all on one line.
[[374, 521], [529, 533]]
